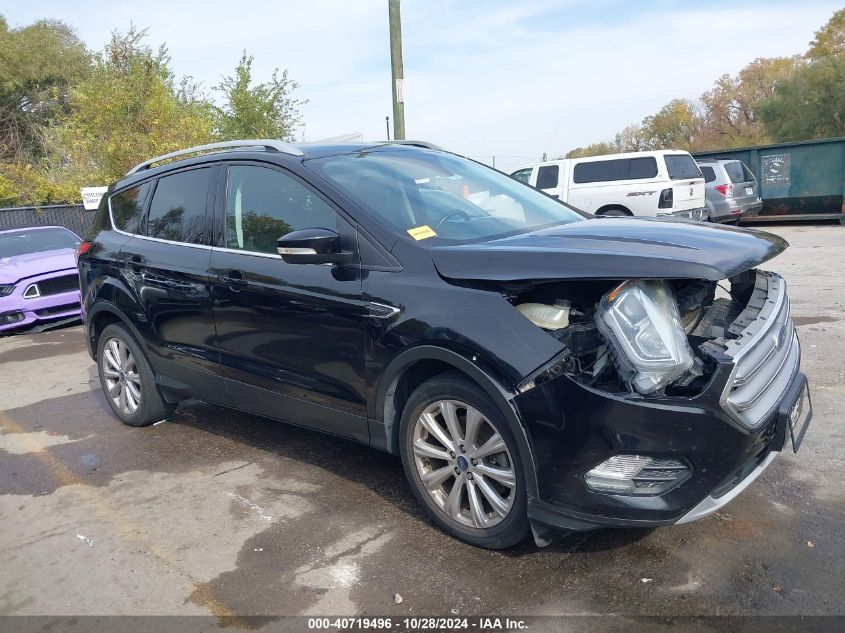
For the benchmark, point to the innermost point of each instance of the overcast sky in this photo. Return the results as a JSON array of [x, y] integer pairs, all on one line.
[[511, 79]]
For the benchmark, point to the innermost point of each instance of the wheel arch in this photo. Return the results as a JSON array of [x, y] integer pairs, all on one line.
[[614, 207], [101, 315], [418, 364]]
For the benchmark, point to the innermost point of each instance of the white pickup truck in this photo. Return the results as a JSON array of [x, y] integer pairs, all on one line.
[[648, 184]]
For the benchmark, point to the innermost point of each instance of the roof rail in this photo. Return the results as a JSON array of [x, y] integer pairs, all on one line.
[[424, 144], [270, 145]]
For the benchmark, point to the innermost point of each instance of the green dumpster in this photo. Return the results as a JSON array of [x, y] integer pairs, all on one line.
[[804, 180]]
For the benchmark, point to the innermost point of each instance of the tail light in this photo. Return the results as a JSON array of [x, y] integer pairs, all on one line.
[[725, 190], [83, 249], [666, 199]]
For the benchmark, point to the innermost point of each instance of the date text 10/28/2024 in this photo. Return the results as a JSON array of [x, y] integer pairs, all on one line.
[[421, 623]]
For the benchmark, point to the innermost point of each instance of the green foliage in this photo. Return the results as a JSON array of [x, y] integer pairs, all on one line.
[[674, 126], [70, 118], [595, 149], [830, 39], [38, 63], [128, 109], [811, 104], [770, 100], [265, 110], [25, 184], [731, 108]]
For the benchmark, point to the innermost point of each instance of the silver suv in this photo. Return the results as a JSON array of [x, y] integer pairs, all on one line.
[[730, 190]]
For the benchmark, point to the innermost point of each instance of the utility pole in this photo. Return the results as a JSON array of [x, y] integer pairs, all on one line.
[[396, 70], [387, 126]]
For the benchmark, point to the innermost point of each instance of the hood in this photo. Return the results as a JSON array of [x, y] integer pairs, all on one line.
[[620, 248], [19, 267]]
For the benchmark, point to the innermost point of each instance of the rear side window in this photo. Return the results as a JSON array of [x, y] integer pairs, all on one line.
[[736, 172], [177, 210], [708, 173], [645, 167], [681, 167], [127, 206], [547, 176], [615, 169], [523, 175]]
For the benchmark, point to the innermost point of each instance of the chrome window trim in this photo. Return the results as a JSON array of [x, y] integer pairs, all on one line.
[[147, 237], [238, 251]]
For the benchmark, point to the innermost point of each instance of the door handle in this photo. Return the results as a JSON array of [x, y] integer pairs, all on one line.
[[233, 280]]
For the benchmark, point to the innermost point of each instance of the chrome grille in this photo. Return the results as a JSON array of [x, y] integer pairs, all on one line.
[[765, 352]]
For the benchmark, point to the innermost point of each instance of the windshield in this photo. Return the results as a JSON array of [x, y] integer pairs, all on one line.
[[433, 195], [36, 241]]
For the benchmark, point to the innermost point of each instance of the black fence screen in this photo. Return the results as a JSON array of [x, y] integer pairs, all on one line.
[[73, 217]]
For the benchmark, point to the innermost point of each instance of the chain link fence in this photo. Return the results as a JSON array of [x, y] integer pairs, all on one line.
[[73, 217]]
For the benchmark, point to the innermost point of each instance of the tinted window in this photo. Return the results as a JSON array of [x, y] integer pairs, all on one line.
[[263, 204], [708, 173], [523, 174], [36, 241], [615, 169], [735, 171], [681, 167], [645, 167], [126, 207], [177, 210], [547, 176]]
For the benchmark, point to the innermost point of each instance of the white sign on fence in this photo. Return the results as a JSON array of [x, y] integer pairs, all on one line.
[[91, 197]]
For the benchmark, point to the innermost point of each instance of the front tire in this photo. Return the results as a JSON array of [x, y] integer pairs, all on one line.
[[127, 379], [462, 461]]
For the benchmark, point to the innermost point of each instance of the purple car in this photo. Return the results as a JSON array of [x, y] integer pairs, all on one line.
[[39, 283]]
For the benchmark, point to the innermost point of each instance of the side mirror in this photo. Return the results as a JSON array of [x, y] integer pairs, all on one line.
[[312, 246]]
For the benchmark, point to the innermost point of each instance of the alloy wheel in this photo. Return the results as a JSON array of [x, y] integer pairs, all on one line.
[[123, 383], [464, 464]]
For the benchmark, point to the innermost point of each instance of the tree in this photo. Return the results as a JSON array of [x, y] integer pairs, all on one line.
[[830, 39], [633, 138], [811, 104], [730, 109], [595, 149], [266, 110], [38, 63], [128, 109], [673, 127]]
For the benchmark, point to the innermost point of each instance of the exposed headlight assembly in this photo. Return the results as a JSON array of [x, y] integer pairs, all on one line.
[[640, 320]]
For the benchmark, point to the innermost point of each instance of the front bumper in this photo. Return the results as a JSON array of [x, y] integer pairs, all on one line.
[[724, 459], [725, 435], [18, 313]]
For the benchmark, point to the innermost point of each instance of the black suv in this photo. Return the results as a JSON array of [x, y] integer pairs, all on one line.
[[535, 368]]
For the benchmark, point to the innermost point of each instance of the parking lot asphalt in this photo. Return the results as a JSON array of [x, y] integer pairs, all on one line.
[[216, 512]]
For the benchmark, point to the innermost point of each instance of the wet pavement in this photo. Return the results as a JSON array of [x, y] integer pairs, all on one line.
[[215, 512]]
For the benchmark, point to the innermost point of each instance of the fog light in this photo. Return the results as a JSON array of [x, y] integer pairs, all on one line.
[[10, 317], [636, 475]]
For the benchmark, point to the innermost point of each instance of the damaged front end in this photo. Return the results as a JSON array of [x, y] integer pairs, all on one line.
[[666, 393], [663, 338]]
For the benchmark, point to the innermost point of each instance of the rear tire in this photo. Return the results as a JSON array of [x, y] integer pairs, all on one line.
[[463, 463], [127, 379]]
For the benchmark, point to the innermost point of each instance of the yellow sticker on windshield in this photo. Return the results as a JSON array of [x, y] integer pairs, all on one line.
[[422, 232]]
